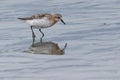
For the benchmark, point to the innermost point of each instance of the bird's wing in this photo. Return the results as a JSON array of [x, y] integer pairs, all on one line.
[[37, 16]]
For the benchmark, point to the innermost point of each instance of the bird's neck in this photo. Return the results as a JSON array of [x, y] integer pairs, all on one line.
[[53, 21]]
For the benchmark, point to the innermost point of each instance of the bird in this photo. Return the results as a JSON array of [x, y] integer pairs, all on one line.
[[40, 21]]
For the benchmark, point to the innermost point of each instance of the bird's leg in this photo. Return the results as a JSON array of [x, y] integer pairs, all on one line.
[[41, 32], [42, 35], [33, 35]]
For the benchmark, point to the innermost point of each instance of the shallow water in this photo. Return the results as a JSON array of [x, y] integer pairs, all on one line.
[[92, 32]]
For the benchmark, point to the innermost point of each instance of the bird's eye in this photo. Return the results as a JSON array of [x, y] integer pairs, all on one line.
[[58, 17]]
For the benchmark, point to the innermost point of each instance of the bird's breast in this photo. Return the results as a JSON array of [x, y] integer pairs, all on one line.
[[39, 23]]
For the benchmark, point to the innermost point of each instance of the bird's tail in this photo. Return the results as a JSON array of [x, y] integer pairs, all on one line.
[[22, 18]]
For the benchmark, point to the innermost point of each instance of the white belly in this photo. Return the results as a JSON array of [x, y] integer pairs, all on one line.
[[39, 23]]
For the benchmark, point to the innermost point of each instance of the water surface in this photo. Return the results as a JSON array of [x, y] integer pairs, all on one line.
[[92, 32]]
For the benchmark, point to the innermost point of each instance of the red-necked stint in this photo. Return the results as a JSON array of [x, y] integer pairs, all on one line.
[[40, 21]]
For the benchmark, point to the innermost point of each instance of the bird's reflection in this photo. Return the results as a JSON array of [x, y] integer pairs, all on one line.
[[46, 48]]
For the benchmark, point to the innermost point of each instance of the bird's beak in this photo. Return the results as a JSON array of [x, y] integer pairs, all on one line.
[[62, 21]]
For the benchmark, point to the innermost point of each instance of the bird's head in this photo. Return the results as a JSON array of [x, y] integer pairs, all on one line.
[[59, 17]]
